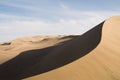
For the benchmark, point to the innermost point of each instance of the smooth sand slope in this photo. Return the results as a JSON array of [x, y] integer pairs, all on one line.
[[94, 55]]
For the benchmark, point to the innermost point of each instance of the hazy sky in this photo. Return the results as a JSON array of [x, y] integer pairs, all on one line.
[[51, 17]]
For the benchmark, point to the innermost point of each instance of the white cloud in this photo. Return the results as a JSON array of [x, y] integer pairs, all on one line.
[[14, 17], [69, 21], [63, 6], [23, 26]]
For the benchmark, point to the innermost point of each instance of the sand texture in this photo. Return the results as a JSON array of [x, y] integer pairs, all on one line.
[[95, 55]]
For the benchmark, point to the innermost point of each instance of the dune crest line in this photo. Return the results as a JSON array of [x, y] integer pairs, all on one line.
[[90, 53]]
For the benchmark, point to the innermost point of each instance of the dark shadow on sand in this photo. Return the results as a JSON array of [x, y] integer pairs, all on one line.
[[33, 62]]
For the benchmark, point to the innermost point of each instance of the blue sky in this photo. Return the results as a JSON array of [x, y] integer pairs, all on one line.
[[51, 17]]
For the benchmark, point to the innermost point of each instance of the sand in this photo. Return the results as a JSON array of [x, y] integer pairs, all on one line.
[[95, 55], [15, 47]]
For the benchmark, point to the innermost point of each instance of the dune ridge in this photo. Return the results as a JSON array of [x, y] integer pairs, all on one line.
[[91, 56]]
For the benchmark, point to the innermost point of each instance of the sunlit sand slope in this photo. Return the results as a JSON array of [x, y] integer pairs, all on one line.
[[103, 63], [95, 55]]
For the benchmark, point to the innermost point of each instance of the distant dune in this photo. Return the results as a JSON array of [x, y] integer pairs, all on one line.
[[95, 55]]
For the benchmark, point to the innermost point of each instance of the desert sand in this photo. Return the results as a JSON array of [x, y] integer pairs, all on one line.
[[95, 55]]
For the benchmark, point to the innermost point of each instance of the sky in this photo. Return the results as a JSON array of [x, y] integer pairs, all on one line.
[[20, 18]]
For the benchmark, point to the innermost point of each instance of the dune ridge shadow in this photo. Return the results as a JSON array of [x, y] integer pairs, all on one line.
[[34, 62]]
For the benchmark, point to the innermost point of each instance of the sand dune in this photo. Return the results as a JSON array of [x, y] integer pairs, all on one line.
[[11, 49], [95, 55]]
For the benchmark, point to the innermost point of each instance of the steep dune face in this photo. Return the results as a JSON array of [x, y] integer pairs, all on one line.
[[37, 61], [100, 64], [90, 56]]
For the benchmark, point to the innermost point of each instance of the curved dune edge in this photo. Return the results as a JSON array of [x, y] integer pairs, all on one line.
[[41, 57], [100, 64]]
